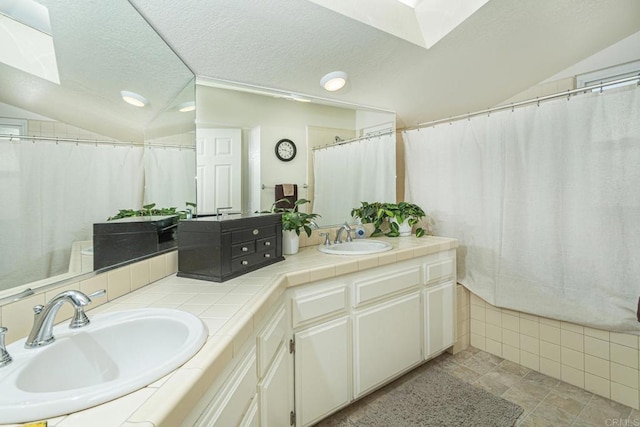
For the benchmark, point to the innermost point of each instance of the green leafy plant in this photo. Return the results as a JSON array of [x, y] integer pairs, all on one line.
[[379, 213], [293, 219], [151, 210]]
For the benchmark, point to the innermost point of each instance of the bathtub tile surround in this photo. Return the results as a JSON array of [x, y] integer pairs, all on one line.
[[602, 362]]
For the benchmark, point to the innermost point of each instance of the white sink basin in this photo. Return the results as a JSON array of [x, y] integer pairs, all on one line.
[[116, 354], [356, 247]]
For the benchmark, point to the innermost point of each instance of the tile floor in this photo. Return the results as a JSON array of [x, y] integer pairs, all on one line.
[[546, 401]]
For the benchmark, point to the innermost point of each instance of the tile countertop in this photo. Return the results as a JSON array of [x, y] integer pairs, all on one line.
[[230, 310]]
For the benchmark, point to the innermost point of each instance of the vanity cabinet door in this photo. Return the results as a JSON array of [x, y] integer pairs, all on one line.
[[440, 321], [322, 370], [276, 391], [251, 418], [386, 341], [233, 400]]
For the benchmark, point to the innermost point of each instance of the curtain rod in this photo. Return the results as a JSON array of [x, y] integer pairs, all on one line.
[[360, 138], [511, 106], [24, 138]]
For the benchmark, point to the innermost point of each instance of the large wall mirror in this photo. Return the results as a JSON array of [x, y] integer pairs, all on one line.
[[72, 152], [238, 168]]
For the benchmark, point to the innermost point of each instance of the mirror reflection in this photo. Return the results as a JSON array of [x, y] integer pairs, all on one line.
[[72, 152], [238, 165]]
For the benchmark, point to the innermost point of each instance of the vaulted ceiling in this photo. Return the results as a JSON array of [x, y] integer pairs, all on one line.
[[505, 47]]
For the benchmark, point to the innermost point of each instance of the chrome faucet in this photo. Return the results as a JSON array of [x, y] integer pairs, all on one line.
[[344, 227], [5, 357], [42, 330]]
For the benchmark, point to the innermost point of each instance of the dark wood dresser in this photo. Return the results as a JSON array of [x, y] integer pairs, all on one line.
[[221, 248]]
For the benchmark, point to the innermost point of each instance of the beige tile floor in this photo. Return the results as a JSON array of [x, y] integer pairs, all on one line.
[[546, 401]]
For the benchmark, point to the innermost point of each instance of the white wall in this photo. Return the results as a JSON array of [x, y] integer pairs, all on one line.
[[276, 118]]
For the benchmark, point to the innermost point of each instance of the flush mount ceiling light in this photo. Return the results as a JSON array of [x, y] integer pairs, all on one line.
[[134, 99], [334, 81], [185, 107]]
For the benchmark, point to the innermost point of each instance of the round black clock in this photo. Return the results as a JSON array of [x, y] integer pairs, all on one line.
[[285, 150]]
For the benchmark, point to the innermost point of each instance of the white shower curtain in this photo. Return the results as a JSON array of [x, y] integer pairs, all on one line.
[[51, 194], [169, 177], [545, 202], [353, 172]]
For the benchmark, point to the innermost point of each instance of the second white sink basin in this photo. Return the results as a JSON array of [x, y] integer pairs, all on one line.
[[357, 247], [116, 354]]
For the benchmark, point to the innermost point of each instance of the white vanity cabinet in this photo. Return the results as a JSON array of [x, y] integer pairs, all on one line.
[[439, 305], [256, 390], [322, 350], [386, 325], [275, 371], [329, 342], [356, 333], [232, 402]]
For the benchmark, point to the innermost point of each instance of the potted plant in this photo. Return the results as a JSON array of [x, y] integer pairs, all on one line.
[[151, 210], [294, 221], [401, 217]]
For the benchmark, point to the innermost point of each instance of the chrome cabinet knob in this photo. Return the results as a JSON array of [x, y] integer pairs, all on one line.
[[245, 262]]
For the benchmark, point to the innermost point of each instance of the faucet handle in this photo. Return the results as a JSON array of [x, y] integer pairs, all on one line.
[[5, 357], [80, 318], [327, 241], [97, 294]]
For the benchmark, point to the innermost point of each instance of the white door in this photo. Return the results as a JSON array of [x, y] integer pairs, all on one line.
[[439, 305], [322, 370], [276, 396], [386, 341], [218, 157]]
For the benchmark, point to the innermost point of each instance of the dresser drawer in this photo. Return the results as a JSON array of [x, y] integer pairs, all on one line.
[[266, 243], [242, 249], [249, 262], [252, 233]]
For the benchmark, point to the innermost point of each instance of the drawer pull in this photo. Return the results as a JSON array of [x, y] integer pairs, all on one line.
[[267, 255], [245, 249], [267, 243], [256, 231], [245, 262]]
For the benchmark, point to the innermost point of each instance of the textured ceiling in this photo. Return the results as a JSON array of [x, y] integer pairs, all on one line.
[[505, 47], [103, 47]]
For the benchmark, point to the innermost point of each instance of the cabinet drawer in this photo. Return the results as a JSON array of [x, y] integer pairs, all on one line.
[[439, 270], [266, 243], [368, 290], [308, 308], [252, 234], [244, 248], [250, 261]]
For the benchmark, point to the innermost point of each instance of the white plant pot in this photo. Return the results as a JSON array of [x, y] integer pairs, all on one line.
[[290, 242], [404, 227]]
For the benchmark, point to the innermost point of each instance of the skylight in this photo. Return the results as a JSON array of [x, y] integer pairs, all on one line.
[[25, 36], [422, 22]]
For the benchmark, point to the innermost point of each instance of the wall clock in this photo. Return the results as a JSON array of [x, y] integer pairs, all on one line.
[[285, 150]]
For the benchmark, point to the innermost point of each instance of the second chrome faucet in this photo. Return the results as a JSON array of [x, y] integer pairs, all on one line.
[[44, 316]]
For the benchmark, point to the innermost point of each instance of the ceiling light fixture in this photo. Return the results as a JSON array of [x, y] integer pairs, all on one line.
[[134, 99], [185, 107], [334, 81]]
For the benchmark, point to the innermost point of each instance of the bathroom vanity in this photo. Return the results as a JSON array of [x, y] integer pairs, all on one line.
[[347, 335], [349, 325]]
